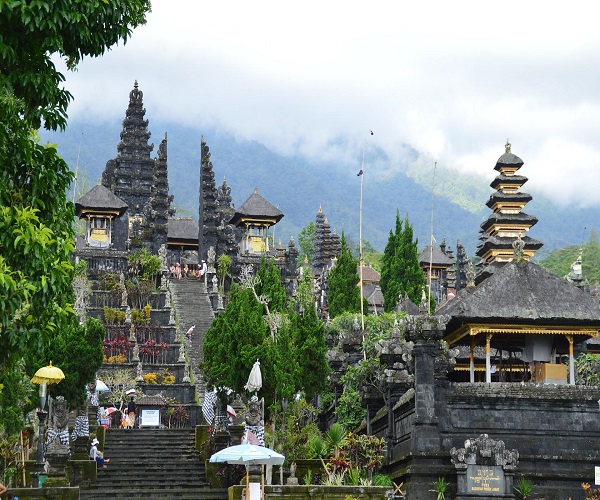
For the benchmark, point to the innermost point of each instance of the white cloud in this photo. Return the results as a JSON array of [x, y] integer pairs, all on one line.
[[453, 80]]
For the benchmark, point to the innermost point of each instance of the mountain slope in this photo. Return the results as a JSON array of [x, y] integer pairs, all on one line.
[[299, 186]]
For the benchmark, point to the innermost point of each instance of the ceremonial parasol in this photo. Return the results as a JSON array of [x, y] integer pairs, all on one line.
[[248, 454], [255, 378], [48, 375]]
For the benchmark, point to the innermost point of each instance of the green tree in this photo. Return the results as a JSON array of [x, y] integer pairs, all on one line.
[[33, 31], [310, 351], [269, 285], [36, 237], [306, 241], [344, 294], [400, 271], [234, 341], [77, 351]]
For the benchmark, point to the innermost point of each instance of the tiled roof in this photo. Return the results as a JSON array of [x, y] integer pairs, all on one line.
[[369, 274], [439, 258]]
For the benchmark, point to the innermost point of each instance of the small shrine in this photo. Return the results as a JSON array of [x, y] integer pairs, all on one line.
[[99, 207], [254, 218]]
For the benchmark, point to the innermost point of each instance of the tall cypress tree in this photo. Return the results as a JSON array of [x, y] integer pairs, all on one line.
[[234, 341], [344, 294], [400, 272]]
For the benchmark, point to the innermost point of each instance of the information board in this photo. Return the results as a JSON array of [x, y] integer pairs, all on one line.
[[150, 418], [485, 480]]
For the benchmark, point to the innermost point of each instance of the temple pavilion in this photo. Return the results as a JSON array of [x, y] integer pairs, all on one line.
[[518, 312], [254, 217]]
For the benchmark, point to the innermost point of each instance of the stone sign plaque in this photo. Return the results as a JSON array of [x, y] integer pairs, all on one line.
[[485, 480]]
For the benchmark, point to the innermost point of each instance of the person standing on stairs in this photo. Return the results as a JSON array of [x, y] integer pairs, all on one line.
[[131, 409], [188, 334]]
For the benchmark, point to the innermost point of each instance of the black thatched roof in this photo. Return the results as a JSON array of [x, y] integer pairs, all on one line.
[[517, 180], [508, 197], [519, 218], [506, 243], [523, 293], [508, 160], [100, 199], [257, 206], [408, 306], [439, 258], [182, 230]]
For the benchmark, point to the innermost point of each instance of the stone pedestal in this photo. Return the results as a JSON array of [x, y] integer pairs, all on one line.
[[57, 455]]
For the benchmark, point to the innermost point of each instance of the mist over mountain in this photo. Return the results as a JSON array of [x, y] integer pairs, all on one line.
[[299, 186]]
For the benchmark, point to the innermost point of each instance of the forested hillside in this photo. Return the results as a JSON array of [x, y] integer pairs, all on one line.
[[299, 186], [560, 260]]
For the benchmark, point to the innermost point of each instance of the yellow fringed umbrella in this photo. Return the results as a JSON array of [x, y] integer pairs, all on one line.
[[48, 375]]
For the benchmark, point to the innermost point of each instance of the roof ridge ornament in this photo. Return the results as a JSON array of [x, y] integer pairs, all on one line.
[[518, 247], [470, 276], [507, 146]]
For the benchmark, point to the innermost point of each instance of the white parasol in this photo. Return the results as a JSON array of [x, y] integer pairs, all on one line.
[[248, 454], [255, 379]]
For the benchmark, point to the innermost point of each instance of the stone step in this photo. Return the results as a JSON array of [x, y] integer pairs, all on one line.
[[156, 494]]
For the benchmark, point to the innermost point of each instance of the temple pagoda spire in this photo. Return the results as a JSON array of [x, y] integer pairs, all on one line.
[[507, 222], [208, 215], [139, 180]]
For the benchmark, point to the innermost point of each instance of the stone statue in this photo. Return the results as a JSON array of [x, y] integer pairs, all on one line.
[[136, 353], [128, 315], [123, 290], [162, 253], [255, 424], [58, 426], [138, 372], [215, 284], [211, 258]]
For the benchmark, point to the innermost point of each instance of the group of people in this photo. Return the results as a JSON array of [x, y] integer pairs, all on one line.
[[97, 455], [176, 272]]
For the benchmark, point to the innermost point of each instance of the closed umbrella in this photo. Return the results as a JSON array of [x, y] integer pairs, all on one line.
[[254, 379], [101, 386], [248, 454]]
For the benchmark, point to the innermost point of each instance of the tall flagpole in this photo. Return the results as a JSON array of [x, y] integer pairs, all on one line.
[[360, 248], [431, 241], [360, 252]]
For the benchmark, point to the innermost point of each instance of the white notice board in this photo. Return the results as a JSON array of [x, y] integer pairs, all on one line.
[[150, 418]]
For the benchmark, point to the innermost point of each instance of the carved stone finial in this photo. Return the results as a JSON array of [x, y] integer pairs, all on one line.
[[518, 247], [507, 146], [470, 276]]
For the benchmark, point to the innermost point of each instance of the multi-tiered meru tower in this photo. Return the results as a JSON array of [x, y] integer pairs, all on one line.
[[507, 223]]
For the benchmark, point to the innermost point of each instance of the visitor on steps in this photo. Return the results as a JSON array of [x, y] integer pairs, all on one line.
[[188, 334], [131, 408], [98, 456]]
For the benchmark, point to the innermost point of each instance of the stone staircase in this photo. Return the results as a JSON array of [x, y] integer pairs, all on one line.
[[152, 464], [193, 307]]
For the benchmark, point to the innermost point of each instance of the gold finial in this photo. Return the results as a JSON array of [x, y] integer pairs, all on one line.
[[306, 259], [320, 209], [135, 85], [335, 231], [255, 190], [326, 221], [507, 146]]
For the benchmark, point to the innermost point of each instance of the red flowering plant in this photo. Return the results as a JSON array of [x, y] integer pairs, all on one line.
[[151, 351]]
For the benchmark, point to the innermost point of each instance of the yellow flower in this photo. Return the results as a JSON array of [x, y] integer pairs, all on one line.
[[585, 486]]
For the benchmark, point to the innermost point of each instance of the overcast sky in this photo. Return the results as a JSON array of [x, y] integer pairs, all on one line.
[[454, 80]]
